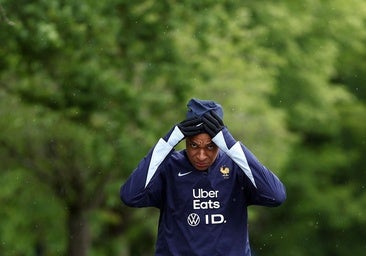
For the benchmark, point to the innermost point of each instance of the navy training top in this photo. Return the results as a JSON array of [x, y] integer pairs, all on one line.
[[202, 213]]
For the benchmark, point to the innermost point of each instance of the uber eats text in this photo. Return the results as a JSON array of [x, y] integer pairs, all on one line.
[[205, 199]]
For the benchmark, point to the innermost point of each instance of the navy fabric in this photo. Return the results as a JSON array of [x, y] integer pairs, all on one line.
[[197, 107], [202, 213]]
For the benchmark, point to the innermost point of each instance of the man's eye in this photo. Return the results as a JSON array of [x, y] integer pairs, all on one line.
[[211, 146], [193, 145]]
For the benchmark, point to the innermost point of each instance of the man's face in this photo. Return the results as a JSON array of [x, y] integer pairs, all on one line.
[[201, 151]]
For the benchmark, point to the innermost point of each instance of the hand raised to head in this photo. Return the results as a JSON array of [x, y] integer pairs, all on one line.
[[191, 126], [212, 123]]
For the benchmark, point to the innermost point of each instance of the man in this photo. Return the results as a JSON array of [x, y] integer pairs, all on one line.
[[203, 191]]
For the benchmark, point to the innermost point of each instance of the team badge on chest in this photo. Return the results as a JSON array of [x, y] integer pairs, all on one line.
[[225, 171]]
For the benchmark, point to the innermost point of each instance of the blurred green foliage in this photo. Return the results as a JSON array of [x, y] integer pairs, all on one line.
[[86, 88]]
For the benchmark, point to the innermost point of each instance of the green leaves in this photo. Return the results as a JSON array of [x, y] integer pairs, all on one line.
[[87, 87]]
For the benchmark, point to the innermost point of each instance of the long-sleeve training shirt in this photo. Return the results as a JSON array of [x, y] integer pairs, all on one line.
[[202, 212]]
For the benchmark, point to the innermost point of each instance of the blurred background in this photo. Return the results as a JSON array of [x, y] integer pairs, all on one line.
[[87, 87]]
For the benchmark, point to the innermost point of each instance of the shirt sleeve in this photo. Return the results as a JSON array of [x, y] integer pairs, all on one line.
[[143, 187], [265, 188]]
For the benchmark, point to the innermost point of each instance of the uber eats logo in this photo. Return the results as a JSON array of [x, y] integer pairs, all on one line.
[[205, 200]]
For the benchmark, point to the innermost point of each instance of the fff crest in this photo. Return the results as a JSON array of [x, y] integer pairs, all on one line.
[[225, 171]]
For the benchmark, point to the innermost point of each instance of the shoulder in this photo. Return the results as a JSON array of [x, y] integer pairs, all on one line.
[[178, 155], [223, 161], [176, 159]]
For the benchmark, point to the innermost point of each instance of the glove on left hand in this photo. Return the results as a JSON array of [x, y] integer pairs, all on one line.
[[212, 123]]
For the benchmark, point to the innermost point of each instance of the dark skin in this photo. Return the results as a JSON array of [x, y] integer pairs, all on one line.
[[201, 151]]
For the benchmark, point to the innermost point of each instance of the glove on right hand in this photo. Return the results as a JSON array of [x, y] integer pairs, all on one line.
[[191, 126]]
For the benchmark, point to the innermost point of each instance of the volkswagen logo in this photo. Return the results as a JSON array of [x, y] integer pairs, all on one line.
[[193, 219]]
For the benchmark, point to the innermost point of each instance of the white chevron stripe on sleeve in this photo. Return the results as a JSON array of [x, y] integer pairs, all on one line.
[[175, 137], [236, 153], [161, 150]]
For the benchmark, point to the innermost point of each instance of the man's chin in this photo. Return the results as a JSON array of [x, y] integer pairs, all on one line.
[[201, 167]]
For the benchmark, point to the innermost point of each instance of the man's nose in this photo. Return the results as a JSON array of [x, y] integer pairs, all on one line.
[[202, 154]]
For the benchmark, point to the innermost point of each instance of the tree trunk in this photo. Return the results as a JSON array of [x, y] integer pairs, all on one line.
[[79, 236]]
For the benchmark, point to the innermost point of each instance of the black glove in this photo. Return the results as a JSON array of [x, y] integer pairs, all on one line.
[[212, 123], [191, 126]]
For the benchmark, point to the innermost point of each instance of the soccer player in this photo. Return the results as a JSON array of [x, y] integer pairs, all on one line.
[[203, 191]]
